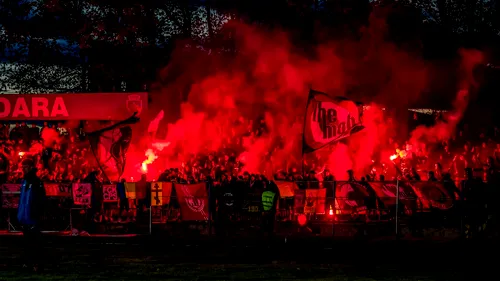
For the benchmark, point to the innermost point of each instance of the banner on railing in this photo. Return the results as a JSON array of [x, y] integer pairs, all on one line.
[[109, 193], [315, 201], [193, 200], [130, 190], [350, 197], [10, 197], [433, 195], [57, 189], [160, 193], [287, 189], [82, 193]]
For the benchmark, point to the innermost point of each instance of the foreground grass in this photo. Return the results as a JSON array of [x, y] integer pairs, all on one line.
[[144, 269]]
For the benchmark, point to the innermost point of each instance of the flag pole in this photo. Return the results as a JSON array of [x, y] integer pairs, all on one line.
[[303, 132]]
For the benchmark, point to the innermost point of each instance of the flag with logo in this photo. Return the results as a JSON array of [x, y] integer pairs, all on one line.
[[110, 145], [193, 199], [160, 193], [130, 190], [315, 201], [10, 195], [109, 193], [328, 120], [350, 197], [82, 193]]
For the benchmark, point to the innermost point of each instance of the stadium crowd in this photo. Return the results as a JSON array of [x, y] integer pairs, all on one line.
[[66, 161], [71, 159]]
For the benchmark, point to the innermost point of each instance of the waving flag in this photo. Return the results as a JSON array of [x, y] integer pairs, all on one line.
[[329, 120], [109, 146]]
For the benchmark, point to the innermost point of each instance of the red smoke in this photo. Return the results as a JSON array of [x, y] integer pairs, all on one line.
[[269, 78]]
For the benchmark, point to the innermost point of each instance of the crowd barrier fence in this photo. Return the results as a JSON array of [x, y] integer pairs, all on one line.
[[395, 204]]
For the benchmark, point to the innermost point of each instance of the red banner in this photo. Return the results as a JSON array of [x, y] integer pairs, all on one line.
[[82, 193], [95, 106], [109, 193], [193, 200], [286, 188], [57, 189]]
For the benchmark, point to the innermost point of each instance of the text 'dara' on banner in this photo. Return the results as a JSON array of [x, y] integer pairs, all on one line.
[[57, 189], [160, 193], [193, 200], [287, 189], [109, 193], [82, 193], [315, 201], [92, 106], [130, 190], [10, 195]]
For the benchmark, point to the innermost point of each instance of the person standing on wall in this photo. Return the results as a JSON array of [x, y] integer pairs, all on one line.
[[122, 197], [142, 190], [29, 214]]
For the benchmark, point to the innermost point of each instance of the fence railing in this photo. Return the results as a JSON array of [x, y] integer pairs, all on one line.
[[394, 206]]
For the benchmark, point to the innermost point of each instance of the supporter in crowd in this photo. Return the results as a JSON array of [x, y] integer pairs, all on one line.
[[71, 160], [68, 161]]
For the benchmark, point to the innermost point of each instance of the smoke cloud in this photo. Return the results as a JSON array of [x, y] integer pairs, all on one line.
[[209, 99]]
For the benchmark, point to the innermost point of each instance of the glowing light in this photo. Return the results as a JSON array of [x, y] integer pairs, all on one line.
[[302, 219], [330, 212], [151, 157], [393, 157], [21, 154]]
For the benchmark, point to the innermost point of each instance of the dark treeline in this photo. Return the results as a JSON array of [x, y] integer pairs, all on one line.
[[117, 45]]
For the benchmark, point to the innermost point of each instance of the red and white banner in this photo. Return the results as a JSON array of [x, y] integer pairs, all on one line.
[[82, 193], [57, 189], [95, 106], [193, 199], [109, 193], [328, 120]]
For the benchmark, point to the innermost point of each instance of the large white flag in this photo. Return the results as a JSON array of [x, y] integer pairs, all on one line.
[[329, 120]]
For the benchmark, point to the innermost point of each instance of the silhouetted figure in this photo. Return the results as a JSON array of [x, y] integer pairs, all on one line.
[[432, 177]]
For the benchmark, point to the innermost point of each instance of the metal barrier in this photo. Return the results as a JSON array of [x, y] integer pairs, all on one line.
[[395, 208]]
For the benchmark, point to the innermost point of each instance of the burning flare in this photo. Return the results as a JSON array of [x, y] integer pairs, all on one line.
[[151, 158]]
